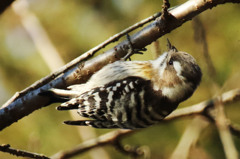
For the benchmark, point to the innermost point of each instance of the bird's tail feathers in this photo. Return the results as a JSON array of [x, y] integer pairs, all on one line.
[[93, 123], [77, 122], [54, 96], [68, 107]]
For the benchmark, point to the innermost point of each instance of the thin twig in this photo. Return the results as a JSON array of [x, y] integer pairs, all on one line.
[[31, 101], [133, 151], [156, 49], [166, 16], [205, 107], [17, 152], [200, 38], [103, 140], [165, 7], [189, 138], [224, 132]]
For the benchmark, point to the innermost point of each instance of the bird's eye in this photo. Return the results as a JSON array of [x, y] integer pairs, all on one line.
[[170, 62]]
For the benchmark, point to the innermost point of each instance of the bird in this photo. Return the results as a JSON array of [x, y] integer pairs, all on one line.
[[133, 94]]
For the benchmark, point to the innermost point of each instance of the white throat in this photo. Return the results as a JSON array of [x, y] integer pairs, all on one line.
[[177, 92]]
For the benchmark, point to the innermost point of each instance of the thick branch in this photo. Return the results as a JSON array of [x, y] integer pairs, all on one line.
[[31, 101]]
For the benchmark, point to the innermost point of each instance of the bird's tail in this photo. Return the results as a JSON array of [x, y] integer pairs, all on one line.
[[67, 107], [55, 97], [93, 123]]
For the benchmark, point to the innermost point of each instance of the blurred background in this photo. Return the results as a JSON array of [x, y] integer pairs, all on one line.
[[39, 36]]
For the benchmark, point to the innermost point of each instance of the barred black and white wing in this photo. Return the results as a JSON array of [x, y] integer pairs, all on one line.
[[128, 103]]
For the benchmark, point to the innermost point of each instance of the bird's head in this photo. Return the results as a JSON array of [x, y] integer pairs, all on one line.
[[178, 74]]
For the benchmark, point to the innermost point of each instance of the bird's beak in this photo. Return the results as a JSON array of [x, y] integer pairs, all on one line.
[[171, 47]]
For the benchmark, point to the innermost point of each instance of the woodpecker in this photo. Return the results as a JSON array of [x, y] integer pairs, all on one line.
[[133, 94]]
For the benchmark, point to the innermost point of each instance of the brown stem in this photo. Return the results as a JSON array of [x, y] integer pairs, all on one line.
[[31, 101], [16, 152]]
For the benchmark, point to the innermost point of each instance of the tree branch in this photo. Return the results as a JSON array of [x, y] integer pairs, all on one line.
[[4, 4], [106, 139], [16, 152], [29, 101], [134, 151], [201, 39]]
